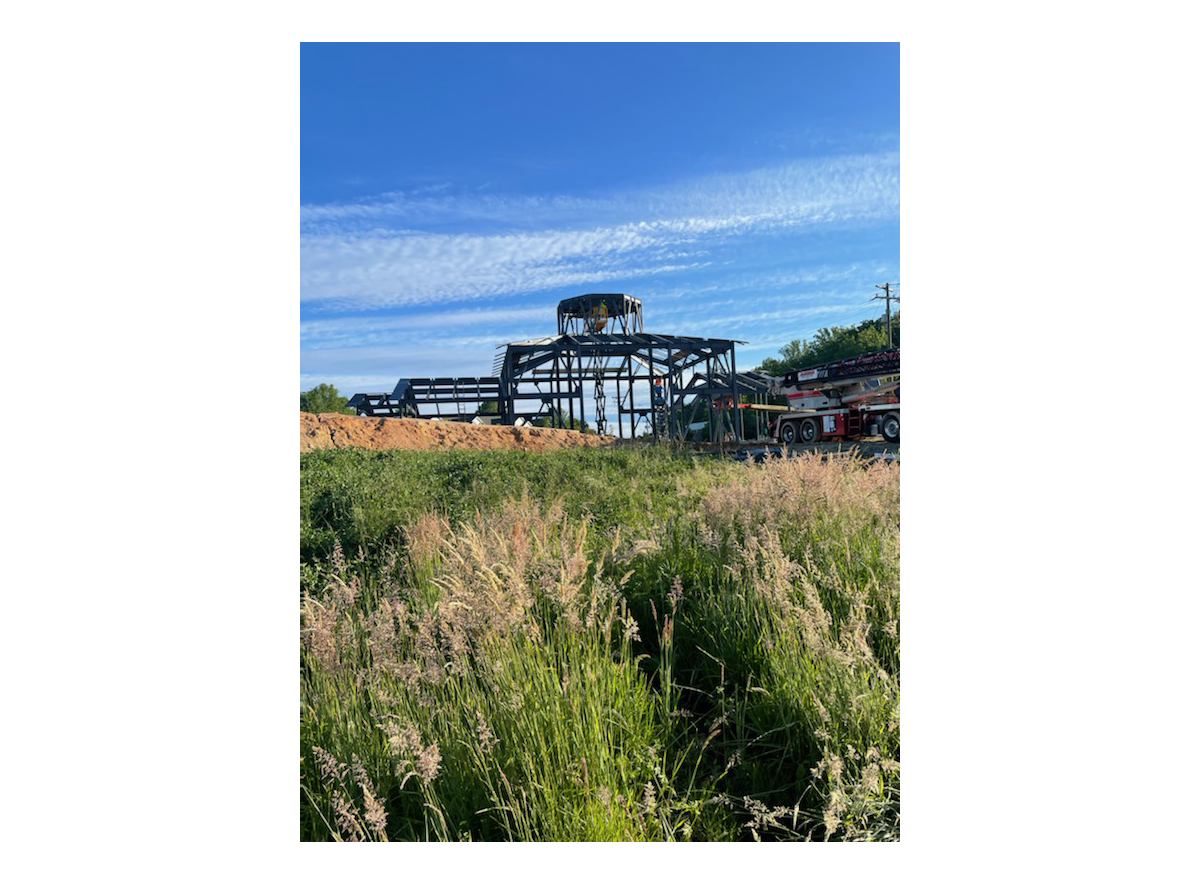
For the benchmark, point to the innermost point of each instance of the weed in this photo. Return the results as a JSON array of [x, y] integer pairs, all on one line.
[[598, 645]]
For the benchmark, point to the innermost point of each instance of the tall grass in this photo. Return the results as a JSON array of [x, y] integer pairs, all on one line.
[[598, 645]]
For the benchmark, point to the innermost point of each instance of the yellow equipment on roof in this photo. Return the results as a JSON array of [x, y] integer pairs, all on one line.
[[598, 318]]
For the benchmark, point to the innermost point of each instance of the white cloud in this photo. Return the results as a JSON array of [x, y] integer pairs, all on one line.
[[462, 357], [384, 253], [326, 332]]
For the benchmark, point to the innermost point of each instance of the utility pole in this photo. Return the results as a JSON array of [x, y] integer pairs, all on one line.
[[888, 297]]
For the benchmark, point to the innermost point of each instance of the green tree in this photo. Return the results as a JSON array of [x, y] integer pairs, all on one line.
[[833, 343], [324, 399]]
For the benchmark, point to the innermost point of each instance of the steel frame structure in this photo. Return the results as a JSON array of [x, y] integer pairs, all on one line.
[[600, 344], [554, 372], [730, 410]]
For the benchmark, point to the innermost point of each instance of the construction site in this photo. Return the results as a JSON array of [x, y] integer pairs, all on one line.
[[657, 386]]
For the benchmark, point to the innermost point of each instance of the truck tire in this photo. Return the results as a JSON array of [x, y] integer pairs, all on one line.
[[889, 427], [787, 432], [809, 431]]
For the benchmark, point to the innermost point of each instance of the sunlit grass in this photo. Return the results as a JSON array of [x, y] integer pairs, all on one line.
[[598, 645]]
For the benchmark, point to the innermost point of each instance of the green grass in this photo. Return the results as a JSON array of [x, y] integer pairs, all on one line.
[[598, 645]]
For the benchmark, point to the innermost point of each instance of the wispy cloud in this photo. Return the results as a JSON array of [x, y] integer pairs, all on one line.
[[417, 249], [343, 331], [376, 369], [713, 316]]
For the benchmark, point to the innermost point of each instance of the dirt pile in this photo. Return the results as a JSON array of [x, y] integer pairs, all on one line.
[[380, 433]]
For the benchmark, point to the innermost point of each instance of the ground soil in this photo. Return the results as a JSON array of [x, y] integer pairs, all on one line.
[[380, 433]]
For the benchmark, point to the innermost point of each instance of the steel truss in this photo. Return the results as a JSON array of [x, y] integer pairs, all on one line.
[[867, 365], [683, 381], [446, 398], [552, 372]]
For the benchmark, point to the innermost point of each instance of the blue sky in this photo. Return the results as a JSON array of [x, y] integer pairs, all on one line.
[[452, 194]]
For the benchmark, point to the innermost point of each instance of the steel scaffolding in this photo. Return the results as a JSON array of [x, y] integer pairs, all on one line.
[[685, 382]]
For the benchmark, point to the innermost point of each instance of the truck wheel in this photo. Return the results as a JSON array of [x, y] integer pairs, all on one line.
[[787, 433], [808, 431], [890, 428]]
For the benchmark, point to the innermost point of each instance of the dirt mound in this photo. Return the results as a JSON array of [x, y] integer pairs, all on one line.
[[379, 433]]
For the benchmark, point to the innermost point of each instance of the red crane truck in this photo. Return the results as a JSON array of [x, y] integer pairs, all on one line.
[[849, 398]]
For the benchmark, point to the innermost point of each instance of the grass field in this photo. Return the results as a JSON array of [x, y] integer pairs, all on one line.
[[598, 645]]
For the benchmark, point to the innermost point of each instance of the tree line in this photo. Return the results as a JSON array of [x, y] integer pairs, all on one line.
[[833, 343]]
